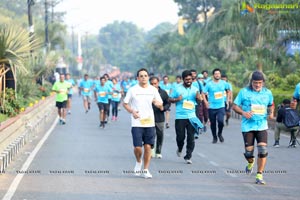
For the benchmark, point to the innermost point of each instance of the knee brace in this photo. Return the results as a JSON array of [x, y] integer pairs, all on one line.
[[262, 151], [249, 156]]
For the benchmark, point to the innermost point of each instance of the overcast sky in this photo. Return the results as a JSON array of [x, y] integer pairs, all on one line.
[[91, 15]]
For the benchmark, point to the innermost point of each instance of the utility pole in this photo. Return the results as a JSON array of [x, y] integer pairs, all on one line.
[[30, 3], [47, 43]]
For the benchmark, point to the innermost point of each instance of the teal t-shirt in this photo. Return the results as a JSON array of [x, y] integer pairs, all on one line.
[[86, 86], [116, 92], [185, 108], [257, 102], [102, 93], [72, 83], [215, 92]]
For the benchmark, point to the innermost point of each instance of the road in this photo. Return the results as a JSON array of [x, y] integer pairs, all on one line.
[[80, 160]]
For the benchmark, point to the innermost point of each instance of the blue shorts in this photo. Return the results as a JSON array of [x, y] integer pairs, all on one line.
[[143, 135]]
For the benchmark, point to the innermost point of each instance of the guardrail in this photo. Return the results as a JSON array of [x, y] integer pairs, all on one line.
[[18, 131]]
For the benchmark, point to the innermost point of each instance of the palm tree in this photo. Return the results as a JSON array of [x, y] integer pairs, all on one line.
[[15, 47]]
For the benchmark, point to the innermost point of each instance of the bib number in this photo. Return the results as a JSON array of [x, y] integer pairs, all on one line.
[[218, 95], [188, 105], [258, 109], [146, 121]]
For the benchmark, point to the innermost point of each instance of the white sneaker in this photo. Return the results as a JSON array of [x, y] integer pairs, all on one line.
[[146, 174], [153, 154], [137, 168], [188, 161], [159, 156]]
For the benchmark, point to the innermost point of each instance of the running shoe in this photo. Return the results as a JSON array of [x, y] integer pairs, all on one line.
[[137, 168], [259, 179], [221, 138], [147, 174], [167, 125], [188, 161], [159, 156], [276, 144], [249, 167]]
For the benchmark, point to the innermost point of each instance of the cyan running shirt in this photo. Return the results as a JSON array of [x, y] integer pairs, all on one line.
[[185, 108], [86, 86], [230, 88], [125, 85], [215, 92], [166, 87], [102, 93], [72, 84], [257, 102], [198, 84], [297, 92], [116, 92], [109, 84]]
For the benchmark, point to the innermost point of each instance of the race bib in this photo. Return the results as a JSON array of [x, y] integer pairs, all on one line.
[[146, 121], [102, 94], [218, 95], [258, 109], [86, 89], [115, 95], [62, 91], [188, 105]]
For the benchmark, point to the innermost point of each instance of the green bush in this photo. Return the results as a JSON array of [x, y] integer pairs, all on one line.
[[11, 105]]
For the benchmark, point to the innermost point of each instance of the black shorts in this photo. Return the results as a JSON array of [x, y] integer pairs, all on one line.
[[143, 135], [60, 105], [251, 136], [69, 96], [103, 106]]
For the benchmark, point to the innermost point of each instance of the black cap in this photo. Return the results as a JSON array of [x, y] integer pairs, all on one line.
[[257, 76]]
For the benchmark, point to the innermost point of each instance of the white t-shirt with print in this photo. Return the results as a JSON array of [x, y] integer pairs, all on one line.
[[140, 99]]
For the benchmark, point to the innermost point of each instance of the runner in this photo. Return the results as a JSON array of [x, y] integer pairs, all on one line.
[[116, 98], [185, 96], [70, 94], [228, 105], [86, 87], [61, 88], [216, 103], [159, 116], [101, 93], [254, 103], [166, 86], [138, 102]]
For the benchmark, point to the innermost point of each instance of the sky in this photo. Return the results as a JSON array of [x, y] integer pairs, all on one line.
[[92, 15]]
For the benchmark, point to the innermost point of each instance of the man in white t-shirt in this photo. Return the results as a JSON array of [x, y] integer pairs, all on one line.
[[138, 101]]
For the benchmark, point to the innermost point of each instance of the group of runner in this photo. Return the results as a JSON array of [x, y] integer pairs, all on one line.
[[199, 99]]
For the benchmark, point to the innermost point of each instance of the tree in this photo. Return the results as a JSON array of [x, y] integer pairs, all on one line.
[[15, 47], [123, 45]]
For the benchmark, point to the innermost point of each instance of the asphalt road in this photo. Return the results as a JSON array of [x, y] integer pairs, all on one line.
[[80, 160]]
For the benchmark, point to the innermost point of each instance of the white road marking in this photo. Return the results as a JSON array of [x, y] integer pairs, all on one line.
[[201, 155], [13, 187], [213, 163]]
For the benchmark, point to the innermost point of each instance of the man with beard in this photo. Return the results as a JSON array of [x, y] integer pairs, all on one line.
[[216, 103], [185, 96]]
